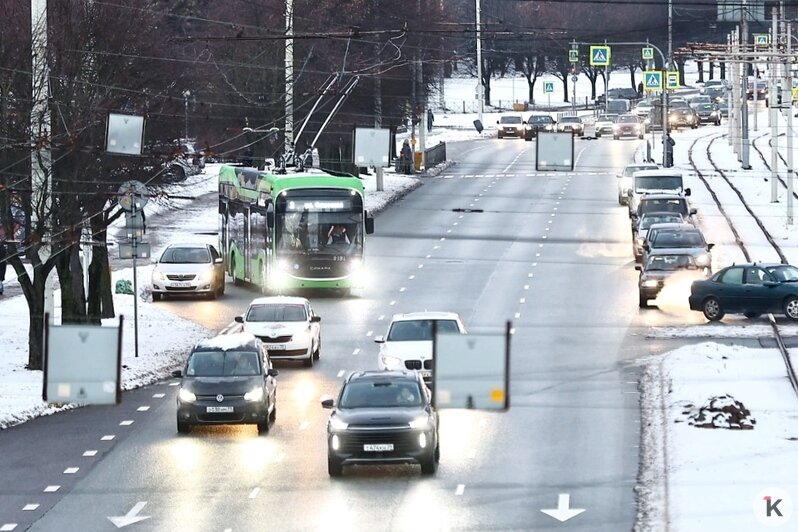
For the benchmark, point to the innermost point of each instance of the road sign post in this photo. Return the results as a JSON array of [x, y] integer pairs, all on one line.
[[133, 196], [548, 88]]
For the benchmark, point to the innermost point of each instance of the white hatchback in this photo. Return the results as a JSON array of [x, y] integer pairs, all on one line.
[[408, 344], [287, 326]]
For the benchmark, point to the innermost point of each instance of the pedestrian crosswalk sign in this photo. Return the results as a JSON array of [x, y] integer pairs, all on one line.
[[672, 80], [573, 56], [794, 94], [761, 39], [652, 80], [599, 56], [648, 54], [548, 87]]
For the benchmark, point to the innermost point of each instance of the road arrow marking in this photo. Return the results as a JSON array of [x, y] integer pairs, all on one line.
[[131, 517], [563, 512]]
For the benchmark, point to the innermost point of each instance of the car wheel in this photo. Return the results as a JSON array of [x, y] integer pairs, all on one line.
[[183, 428], [640, 137], [717, 123], [438, 452], [712, 309], [334, 466], [308, 362], [157, 296], [598, 135], [221, 287], [273, 414], [317, 352], [263, 428], [429, 465], [236, 280], [501, 136], [751, 315], [643, 301], [791, 307], [213, 294]]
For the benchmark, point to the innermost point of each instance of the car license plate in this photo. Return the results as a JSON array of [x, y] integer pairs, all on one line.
[[426, 374], [180, 284], [219, 409], [275, 347], [377, 447]]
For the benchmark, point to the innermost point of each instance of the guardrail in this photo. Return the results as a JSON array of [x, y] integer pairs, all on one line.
[[784, 354], [435, 155]]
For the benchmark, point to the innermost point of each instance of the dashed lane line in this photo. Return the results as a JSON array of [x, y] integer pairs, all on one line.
[[90, 453], [460, 489], [52, 489]]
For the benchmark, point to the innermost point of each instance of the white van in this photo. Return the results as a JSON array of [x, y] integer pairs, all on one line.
[[662, 181], [618, 107]]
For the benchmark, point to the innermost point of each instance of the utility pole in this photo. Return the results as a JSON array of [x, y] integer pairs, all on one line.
[[422, 122], [186, 94], [788, 85], [289, 77], [773, 112], [41, 134], [744, 107], [479, 65]]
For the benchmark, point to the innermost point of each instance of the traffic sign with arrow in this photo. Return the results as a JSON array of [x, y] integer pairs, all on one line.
[[563, 512], [131, 517], [599, 56], [652, 80]]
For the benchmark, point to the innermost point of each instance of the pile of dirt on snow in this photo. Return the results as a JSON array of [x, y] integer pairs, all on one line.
[[721, 412]]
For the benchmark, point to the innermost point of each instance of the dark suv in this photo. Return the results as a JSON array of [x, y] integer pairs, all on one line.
[[227, 379], [537, 123], [382, 417]]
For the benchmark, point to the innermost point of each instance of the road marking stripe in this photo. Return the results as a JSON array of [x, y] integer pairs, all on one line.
[[382, 317], [174, 384], [143, 408], [428, 256], [402, 289], [443, 238], [460, 489], [254, 493], [526, 286], [420, 266], [356, 351], [448, 230], [158, 395], [126, 423], [517, 315], [412, 277], [341, 373], [369, 333], [90, 453], [8, 527], [71, 470], [523, 300], [512, 330], [392, 303], [51, 489], [29, 507], [108, 437]]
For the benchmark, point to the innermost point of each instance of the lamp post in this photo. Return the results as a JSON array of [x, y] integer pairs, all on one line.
[[186, 94], [479, 64]]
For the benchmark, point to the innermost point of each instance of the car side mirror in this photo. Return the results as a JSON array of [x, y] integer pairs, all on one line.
[[177, 373], [315, 319], [379, 339], [710, 246], [218, 260], [638, 267], [327, 403], [687, 192], [369, 224], [693, 210], [497, 121], [646, 246], [271, 372], [239, 319]]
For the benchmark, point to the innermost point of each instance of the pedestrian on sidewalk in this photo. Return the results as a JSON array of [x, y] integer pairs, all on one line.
[[406, 157], [3, 264], [430, 119]]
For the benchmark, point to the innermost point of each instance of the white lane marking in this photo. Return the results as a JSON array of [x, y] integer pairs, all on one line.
[[382, 317], [540, 245], [174, 384], [412, 277], [537, 254], [228, 530], [90, 453], [392, 303], [512, 330], [448, 231], [555, 208], [556, 202], [108, 437], [517, 315], [476, 199], [143, 408], [436, 247], [530, 274], [29, 507], [579, 155], [470, 204], [158, 395], [443, 238], [544, 236], [526, 286], [428, 256], [51, 489], [356, 351], [71, 470], [460, 217], [304, 425], [534, 264], [369, 333], [460, 489], [455, 223], [402, 289], [126, 423], [341, 373], [254, 493], [8, 527], [523, 300], [420, 266]]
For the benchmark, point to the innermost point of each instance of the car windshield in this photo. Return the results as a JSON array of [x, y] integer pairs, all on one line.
[[380, 394], [539, 120], [627, 119], [658, 182], [419, 330], [273, 313], [511, 120], [570, 119], [223, 364], [784, 273], [650, 219], [680, 104], [678, 239], [630, 170], [663, 205], [706, 107], [669, 262], [604, 118], [177, 255]]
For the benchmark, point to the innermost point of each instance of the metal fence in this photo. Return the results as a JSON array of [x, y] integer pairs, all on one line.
[[435, 155], [501, 106]]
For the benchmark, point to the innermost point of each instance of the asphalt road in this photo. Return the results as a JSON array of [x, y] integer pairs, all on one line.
[[550, 252]]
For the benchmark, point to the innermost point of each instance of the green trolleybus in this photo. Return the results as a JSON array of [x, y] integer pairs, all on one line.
[[293, 230]]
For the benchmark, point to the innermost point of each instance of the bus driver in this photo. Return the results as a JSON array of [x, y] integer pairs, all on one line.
[[337, 235]]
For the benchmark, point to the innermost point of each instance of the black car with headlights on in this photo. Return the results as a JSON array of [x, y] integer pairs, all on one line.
[[661, 266], [534, 124], [708, 113], [227, 379], [382, 417]]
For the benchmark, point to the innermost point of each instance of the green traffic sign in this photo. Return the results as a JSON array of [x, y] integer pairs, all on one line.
[[761, 39], [599, 56], [548, 87], [648, 53], [652, 80], [573, 56], [672, 80]]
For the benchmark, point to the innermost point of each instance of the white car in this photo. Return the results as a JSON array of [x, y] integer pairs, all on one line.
[[287, 326], [626, 182], [188, 269], [408, 344]]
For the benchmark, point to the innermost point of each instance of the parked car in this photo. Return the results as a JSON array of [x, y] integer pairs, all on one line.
[[537, 123], [627, 125], [227, 380], [659, 267], [708, 113], [626, 182], [748, 289], [288, 326], [644, 223], [408, 344], [510, 126], [604, 124], [571, 123], [188, 269], [382, 417]]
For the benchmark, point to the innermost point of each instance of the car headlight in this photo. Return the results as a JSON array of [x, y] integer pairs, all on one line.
[[650, 283], [157, 275], [205, 275], [337, 425], [254, 395], [703, 260], [186, 396], [421, 422], [391, 363]]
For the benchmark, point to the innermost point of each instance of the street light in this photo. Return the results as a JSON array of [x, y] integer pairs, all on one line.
[[186, 94]]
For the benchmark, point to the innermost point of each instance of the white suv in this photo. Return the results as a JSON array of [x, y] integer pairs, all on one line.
[[287, 326], [408, 344]]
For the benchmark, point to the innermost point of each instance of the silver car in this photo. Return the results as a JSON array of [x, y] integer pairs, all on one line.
[[193, 269]]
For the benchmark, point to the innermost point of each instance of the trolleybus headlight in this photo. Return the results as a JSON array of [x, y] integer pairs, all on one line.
[[279, 278]]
